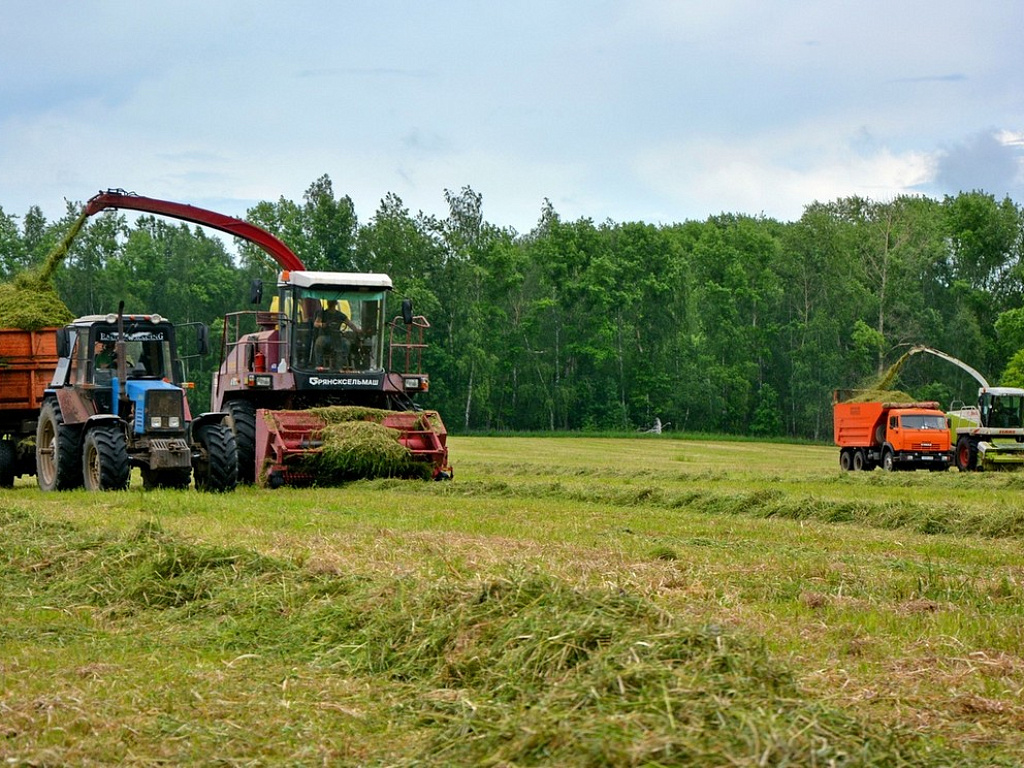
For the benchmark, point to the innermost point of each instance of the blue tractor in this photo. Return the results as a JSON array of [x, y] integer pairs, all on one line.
[[117, 401]]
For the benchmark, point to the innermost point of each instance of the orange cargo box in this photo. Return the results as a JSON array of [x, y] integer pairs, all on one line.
[[27, 362], [855, 424]]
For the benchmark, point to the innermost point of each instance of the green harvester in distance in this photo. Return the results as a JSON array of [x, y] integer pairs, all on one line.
[[990, 434]]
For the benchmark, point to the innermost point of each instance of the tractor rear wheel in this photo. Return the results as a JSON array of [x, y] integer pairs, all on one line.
[[217, 470], [105, 459], [244, 414], [58, 451]]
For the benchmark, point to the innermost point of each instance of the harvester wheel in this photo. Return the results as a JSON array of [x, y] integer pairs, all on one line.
[[966, 455], [888, 460], [105, 459], [217, 470], [845, 460], [58, 451], [244, 414], [8, 459]]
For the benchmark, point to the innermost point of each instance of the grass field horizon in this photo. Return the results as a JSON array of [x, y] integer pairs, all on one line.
[[565, 600]]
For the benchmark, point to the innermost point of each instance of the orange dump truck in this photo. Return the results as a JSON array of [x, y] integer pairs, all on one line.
[[27, 362], [892, 435]]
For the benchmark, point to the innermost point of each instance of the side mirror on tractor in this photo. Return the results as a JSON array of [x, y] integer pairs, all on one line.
[[256, 291], [63, 342], [202, 339]]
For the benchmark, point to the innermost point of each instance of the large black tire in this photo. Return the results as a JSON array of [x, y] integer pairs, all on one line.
[[8, 463], [845, 460], [105, 459], [966, 454], [888, 460], [58, 451], [244, 414], [217, 469], [177, 478], [860, 461]]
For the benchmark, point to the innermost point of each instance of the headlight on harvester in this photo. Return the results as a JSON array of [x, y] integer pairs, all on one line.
[[156, 422], [416, 383]]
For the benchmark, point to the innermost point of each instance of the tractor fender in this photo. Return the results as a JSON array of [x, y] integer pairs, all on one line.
[[210, 417], [104, 419]]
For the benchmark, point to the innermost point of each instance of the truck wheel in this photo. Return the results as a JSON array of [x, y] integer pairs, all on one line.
[[8, 462], [177, 478], [860, 461], [888, 460], [105, 459], [58, 451], [217, 469], [845, 460], [966, 455], [244, 414]]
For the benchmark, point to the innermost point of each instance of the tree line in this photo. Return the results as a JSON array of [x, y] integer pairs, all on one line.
[[736, 324]]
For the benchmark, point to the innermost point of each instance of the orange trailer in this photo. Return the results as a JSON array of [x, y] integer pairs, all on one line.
[[894, 436], [27, 362]]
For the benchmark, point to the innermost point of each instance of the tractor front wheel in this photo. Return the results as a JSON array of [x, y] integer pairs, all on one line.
[[105, 459], [966, 454], [244, 415], [58, 451], [217, 469]]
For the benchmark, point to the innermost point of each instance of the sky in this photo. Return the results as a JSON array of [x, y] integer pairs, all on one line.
[[646, 110]]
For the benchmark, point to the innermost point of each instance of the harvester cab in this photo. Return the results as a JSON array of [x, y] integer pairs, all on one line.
[[116, 401], [326, 341]]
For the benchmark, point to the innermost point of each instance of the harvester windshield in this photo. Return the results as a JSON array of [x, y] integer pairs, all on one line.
[[337, 329], [1002, 407]]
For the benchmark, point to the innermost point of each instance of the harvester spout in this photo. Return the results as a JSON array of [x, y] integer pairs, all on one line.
[[950, 359]]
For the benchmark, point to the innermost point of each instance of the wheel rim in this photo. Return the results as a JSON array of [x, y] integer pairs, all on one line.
[[47, 453], [92, 467]]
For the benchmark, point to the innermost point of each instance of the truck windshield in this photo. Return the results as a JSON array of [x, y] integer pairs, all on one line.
[[337, 329], [917, 421]]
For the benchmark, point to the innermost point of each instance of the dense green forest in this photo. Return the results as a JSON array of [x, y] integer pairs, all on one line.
[[737, 324]]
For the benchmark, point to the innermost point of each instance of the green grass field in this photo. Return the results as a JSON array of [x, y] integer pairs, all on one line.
[[564, 601]]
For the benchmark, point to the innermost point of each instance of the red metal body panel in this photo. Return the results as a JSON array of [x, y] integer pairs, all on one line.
[[281, 253]]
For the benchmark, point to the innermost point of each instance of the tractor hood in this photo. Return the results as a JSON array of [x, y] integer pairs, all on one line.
[[142, 391]]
